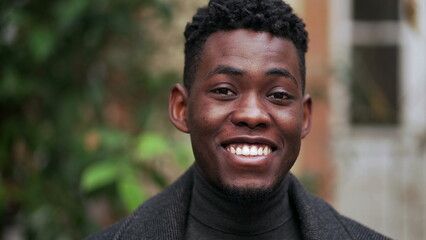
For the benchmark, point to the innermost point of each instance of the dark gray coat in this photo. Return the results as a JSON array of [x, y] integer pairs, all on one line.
[[164, 216]]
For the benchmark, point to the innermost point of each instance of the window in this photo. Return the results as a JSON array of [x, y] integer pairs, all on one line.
[[375, 66], [375, 10]]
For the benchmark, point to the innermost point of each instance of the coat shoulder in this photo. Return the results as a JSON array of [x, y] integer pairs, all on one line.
[[108, 233], [359, 231], [160, 217], [319, 220]]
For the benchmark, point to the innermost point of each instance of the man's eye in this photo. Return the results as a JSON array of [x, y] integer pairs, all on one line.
[[279, 95], [223, 91]]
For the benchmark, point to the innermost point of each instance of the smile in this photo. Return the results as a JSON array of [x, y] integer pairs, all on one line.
[[249, 149]]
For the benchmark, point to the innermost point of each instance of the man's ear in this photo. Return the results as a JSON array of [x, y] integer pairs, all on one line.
[[307, 112], [178, 107]]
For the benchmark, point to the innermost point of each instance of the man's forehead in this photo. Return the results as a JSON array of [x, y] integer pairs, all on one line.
[[231, 52], [248, 43]]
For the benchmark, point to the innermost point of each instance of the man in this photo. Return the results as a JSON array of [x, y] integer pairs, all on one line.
[[244, 105]]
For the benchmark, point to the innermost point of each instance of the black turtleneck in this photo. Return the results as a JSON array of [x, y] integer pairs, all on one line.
[[212, 215]]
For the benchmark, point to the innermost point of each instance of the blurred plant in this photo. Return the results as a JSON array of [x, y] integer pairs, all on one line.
[[75, 96]]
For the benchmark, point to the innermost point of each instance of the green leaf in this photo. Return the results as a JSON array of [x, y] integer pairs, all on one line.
[[69, 11], [41, 43], [183, 154], [151, 145], [131, 192], [99, 175], [113, 139]]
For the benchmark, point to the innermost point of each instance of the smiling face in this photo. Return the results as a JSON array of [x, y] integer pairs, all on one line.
[[245, 112]]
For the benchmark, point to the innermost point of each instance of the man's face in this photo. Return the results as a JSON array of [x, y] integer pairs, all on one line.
[[246, 113]]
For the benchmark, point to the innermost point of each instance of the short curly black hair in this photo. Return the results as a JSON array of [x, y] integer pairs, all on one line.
[[273, 16]]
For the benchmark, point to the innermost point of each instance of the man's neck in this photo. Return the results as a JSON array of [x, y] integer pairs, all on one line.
[[214, 209]]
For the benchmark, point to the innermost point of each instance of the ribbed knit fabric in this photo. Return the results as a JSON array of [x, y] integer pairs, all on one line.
[[214, 215], [164, 216]]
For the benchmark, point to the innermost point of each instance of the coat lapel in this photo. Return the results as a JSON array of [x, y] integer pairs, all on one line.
[[317, 219]]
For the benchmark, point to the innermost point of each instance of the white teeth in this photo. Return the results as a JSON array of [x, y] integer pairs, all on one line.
[[260, 151], [246, 150], [253, 151], [239, 151], [249, 150]]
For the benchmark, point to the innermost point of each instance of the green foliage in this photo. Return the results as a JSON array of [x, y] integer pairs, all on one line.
[[131, 192], [41, 43], [151, 145], [98, 175], [76, 99]]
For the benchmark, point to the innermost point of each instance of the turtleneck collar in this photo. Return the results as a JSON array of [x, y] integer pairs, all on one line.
[[212, 208]]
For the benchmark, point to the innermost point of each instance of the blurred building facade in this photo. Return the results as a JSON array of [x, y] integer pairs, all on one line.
[[378, 113], [367, 75]]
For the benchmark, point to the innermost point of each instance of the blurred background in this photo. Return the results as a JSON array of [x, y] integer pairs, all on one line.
[[84, 129]]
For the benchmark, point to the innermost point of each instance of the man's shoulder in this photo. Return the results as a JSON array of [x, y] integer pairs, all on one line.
[[109, 232], [359, 231], [155, 216], [320, 220], [163, 216]]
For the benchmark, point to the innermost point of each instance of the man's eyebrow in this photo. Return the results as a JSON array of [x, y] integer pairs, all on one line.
[[282, 72], [223, 69]]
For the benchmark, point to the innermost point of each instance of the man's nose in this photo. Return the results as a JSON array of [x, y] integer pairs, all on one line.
[[250, 112]]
